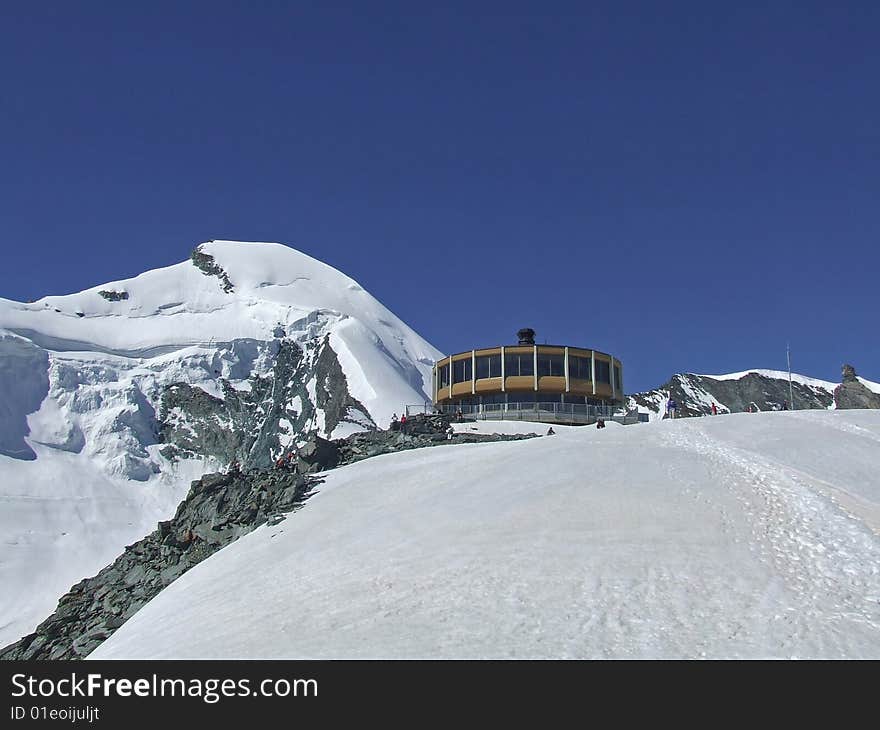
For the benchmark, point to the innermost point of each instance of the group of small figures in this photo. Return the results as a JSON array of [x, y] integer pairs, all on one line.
[[398, 424], [600, 423], [286, 461]]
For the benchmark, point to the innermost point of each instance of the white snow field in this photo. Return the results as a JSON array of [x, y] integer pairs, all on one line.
[[81, 376], [746, 535]]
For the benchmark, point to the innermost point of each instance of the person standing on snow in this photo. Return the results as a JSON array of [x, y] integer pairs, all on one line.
[[671, 408], [714, 410]]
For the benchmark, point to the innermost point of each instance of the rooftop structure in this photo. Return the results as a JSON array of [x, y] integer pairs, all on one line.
[[547, 383]]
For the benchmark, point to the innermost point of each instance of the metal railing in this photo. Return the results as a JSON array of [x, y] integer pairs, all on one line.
[[547, 412], [554, 412]]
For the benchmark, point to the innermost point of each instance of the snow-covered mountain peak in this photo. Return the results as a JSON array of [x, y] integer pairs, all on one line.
[[142, 383], [226, 290], [257, 265]]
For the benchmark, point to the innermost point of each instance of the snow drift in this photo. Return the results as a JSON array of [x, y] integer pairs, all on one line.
[[744, 535]]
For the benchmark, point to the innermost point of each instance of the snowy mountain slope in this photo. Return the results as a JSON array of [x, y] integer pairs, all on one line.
[[218, 509], [85, 380], [66, 520], [734, 392], [736, 536]]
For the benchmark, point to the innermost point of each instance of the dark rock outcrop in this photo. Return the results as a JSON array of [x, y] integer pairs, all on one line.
[[205, 263], [219, 509], [419, 431], [218, 435], [113, 296], [852, 393], [332, 394], [255, 426]]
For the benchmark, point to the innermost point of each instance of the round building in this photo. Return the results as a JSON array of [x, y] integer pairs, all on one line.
[[547, 383]]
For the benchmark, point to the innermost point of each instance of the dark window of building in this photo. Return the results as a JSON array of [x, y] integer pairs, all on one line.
[[461, 371], [530, 397], [617, 383], [489, 366], [579, 367], [603, 372], [551, 365], [548, 397], [443, 376], [519, 364], [493, 398]]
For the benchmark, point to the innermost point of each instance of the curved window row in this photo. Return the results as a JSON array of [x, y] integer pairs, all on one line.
[[520, 364], [523, 364]]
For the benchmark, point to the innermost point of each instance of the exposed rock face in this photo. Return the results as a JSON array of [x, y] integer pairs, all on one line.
[[209, 267], [696, 393], [332, 394], [113, 296], [852, 393], [219, 509], [306, 391], [420, 431]]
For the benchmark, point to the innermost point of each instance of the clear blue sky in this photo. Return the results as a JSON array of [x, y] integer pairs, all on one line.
[[687, 185]]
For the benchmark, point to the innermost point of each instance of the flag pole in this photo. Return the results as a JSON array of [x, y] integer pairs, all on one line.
[[790, 387]]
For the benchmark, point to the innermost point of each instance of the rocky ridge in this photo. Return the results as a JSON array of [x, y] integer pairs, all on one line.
[[209, 267], [695, 394], [853, 393], [305, 391]]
